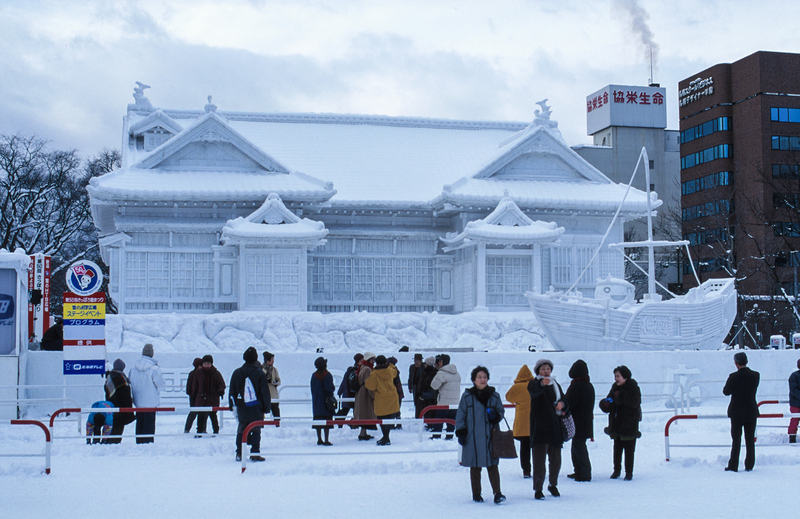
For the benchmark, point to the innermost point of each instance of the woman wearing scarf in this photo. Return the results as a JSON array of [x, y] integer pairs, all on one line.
[[547, 406], [479, 411]]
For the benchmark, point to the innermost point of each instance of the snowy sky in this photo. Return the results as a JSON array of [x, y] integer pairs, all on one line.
[[68, 68]]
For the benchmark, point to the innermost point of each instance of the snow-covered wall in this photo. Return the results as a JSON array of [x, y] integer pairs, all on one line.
[[329, 333]]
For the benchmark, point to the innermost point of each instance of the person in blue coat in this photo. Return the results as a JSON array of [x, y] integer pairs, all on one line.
[[322, 387], [479, 411], [99, 425]]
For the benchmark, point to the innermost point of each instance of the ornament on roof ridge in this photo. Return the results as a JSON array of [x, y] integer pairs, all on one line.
[[543, 118], [210, 107], [142, 103]]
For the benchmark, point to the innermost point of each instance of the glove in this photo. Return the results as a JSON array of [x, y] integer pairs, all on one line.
[[461, 435], [610, 400], [490, 414]]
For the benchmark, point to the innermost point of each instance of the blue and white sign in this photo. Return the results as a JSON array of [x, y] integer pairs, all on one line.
[[84, 367], [84, 278], [8, 288]]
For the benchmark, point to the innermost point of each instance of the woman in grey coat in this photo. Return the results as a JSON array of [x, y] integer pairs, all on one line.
[[479, 411]]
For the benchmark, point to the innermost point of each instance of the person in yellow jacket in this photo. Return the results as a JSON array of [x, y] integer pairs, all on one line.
[[381, 383], [519, 396]]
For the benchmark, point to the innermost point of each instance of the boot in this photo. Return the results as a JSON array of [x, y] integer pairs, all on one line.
[[792, 438]]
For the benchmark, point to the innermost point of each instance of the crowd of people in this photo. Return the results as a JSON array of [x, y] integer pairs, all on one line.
[[546, 416]]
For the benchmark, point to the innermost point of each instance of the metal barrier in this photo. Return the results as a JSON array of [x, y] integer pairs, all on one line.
[[714, 416], [358, 423], [47, 442]]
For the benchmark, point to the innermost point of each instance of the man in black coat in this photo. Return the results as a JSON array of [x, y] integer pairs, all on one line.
[[249, 407], [743, 411], [580, 398]]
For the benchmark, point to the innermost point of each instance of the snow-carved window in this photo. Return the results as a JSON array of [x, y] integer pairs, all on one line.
[[507, 280], [168, 276], [272, 279]]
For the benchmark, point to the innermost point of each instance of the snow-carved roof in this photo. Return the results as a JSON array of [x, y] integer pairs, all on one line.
[[16, 260], [155, 119], [506, 225], [273, 223]]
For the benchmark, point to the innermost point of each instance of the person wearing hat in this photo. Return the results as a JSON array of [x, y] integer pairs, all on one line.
[[197, 363], [794, 402], [580, 399], [624, 407], [741, 386], [414, 374], [547, 405], [364, 405], [118, 392], [322, 388], [250, 400], [208, 387], [274, 380], [381, 383], [146, 383], [345, 389]]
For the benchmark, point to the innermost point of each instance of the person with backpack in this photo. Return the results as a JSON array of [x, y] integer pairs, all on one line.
[[349, 382], [249, 393]]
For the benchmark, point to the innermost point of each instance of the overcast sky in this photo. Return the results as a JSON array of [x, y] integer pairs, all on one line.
[[68, 69]]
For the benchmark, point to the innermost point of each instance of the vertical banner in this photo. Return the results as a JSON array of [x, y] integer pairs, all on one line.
[[84, 321], [38, 296], [8, 314]]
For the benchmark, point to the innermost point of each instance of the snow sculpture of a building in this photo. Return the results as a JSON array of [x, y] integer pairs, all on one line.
[[219, 211]]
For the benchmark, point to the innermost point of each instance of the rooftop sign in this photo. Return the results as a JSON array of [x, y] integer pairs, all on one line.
[[617, 105]]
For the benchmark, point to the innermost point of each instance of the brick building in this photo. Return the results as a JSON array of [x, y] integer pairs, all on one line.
[[740, 166]]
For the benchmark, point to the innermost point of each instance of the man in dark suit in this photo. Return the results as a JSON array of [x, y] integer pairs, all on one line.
[[743, 411]]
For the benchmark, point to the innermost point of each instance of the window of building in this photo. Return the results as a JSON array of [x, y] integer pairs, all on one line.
[[785, 115], [791, 171], [707, 155], [787, 200], [715, 125], [723, 178], [507, 280], [708, 209], [169, 275], [788, 259], [790, 229], [272, 279], [785, 143], [706, 265], [706, 236]]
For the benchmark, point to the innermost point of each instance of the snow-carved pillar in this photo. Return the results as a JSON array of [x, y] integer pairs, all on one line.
[[536, 265], [481, 279]]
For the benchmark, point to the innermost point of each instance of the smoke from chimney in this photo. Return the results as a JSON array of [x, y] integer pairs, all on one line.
[[641, 29]]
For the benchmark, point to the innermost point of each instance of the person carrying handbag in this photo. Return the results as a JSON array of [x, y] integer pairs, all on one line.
[[547, 406], [479, 411]]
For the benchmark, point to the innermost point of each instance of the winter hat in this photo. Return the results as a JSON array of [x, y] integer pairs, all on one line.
[[579, 369], [147, 351], [358, 357], [539, 364], [740, 358], [381, 360], [623, 371], [321, 363], [368, 355], [119, 365], [250, 355], [197, 362], [208, 358], [430, 361], [418, 356]]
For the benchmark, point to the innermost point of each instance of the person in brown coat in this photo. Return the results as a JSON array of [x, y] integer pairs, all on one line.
[[364, 408], [197, 362], [519, 396], [208, 388]]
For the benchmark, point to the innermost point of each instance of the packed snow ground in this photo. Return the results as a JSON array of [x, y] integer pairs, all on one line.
[[180, 476]]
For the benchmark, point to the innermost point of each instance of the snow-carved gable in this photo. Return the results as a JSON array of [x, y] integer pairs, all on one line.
[[506, 225], [273, 223], [153, 131], [211, 144]]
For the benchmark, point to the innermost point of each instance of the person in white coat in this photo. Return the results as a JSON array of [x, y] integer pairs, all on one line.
[[448, 383], [146, 383]]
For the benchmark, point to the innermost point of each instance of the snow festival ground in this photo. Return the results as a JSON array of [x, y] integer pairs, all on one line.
[[180, 476]]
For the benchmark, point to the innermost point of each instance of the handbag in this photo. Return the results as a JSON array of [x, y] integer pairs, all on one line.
[[567, 426], [502, 443], [331, 404]]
